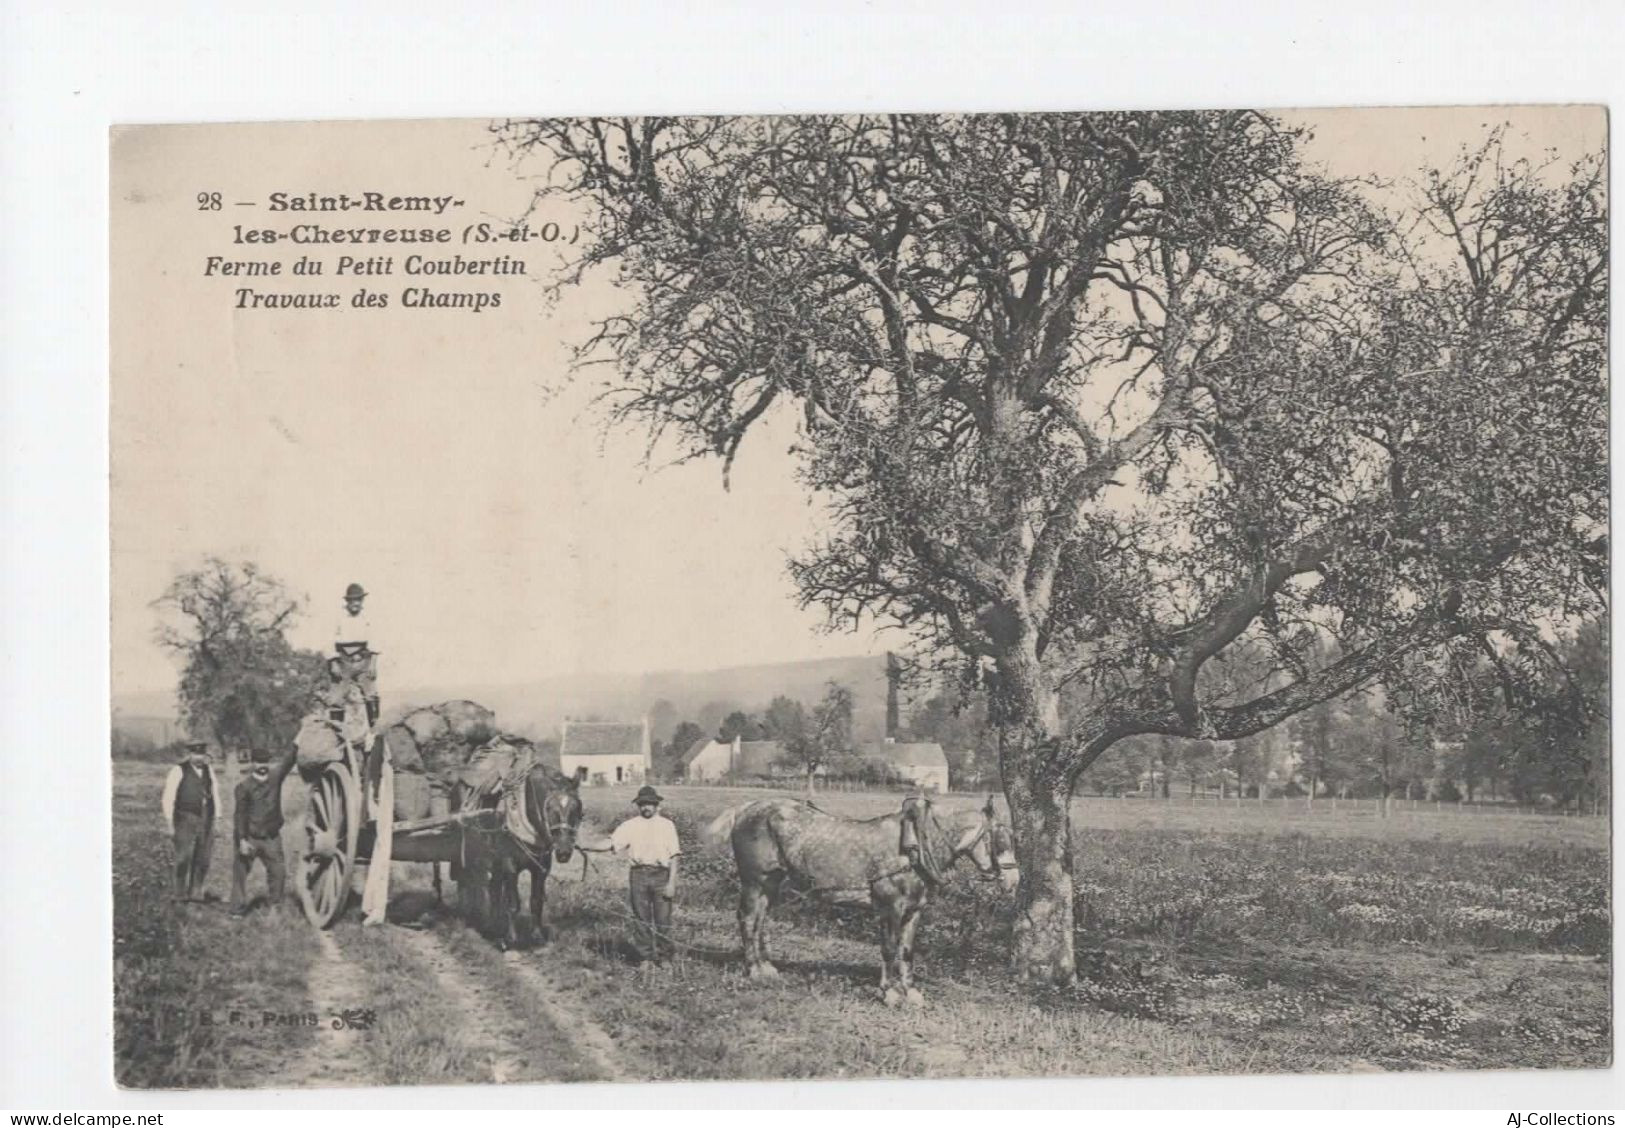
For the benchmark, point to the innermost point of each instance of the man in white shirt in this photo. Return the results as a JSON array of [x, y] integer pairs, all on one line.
[[190, 801], [650, 840], [353, 643]]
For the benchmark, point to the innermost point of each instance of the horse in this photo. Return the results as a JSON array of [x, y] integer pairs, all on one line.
[[898, 858], [549, 819]]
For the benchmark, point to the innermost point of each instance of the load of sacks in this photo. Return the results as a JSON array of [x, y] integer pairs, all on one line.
[[447, 757], [451, 756]]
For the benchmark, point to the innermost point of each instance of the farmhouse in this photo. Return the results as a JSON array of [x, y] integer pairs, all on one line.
[[712, 759], [708, 759], [920, 763], [608, 751]]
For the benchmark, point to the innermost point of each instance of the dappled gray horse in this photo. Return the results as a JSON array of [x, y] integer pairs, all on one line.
[[896, 859]]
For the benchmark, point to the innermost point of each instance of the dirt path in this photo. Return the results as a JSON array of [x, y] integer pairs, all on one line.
[[332, 1059], [554, 1001], [503, 1026]]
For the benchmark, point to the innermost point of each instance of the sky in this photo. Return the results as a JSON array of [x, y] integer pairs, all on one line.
[[432, 456]]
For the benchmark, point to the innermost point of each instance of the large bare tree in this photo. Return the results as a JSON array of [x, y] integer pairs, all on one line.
[[1094, 399]]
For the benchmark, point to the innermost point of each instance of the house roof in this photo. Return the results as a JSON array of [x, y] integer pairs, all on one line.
[[921, 754], [696, 748], [601, 738]]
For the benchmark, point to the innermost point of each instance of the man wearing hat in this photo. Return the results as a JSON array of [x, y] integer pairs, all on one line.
[[191, 798], [357, 661], [650, 840], [256, 828]]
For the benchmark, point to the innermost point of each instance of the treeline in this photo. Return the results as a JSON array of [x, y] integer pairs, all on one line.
[[1524, 722], [819, 738], [811, 738]]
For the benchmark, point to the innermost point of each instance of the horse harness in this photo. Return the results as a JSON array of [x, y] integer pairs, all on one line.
[[920, 858]]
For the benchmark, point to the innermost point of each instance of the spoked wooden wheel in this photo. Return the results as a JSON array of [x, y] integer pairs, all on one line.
[[332, 833]]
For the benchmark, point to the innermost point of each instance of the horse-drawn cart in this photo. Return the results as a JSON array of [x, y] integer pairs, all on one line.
[[488, 817], [331, 845]]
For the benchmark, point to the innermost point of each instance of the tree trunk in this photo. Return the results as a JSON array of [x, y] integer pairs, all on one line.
[[1387, 786], [1038, 781], [1040, 817]]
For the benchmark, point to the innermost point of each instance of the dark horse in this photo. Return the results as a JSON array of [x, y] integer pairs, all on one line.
[[896, 859], [542, 831]]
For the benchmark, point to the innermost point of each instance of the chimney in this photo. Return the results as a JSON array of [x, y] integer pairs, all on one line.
[[894, 675]]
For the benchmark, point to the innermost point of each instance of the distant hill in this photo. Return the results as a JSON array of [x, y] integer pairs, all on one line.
[[157, 730], [536, 708], [153, 704]]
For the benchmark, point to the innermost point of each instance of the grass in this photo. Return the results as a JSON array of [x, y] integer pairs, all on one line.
[[421, 1036], [1210, 940], [191, 987], [1236, 946]]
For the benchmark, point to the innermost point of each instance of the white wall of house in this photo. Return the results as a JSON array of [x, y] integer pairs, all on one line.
[[603, 770], [714, 761], [928, 779]]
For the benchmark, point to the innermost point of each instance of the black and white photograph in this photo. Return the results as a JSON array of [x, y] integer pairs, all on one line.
[[821, 596]]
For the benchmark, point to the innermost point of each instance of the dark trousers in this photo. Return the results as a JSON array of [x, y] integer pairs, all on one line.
[[194, 834], [652, 908], [267, 850]]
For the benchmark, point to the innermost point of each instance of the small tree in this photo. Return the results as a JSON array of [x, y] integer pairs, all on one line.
[[824, 739], [1118, 771], [1198, 759], [957, 720], [785, 719], [739, 725], [1311, 734], [242, 685]]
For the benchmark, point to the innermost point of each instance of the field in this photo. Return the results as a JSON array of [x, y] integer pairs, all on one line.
[[1212, 939]]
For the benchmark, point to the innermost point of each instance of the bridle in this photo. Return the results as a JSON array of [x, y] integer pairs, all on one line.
[[555, 828], [968, 850]]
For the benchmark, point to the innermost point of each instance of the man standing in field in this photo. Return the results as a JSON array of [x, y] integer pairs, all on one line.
[[650, 839], [257, 828], [191, 798]]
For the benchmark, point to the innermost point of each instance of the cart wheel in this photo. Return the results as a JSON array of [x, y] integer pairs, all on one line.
[[332, 834]]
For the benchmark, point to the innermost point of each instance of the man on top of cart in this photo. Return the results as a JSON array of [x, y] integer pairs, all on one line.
[[355, 659]]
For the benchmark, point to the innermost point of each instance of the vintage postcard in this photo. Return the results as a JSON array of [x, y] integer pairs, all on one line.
[[909, 596]]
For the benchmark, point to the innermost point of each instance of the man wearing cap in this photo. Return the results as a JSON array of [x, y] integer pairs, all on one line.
[[650, 840], [256, 828], [191, 798], [356, 660]]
